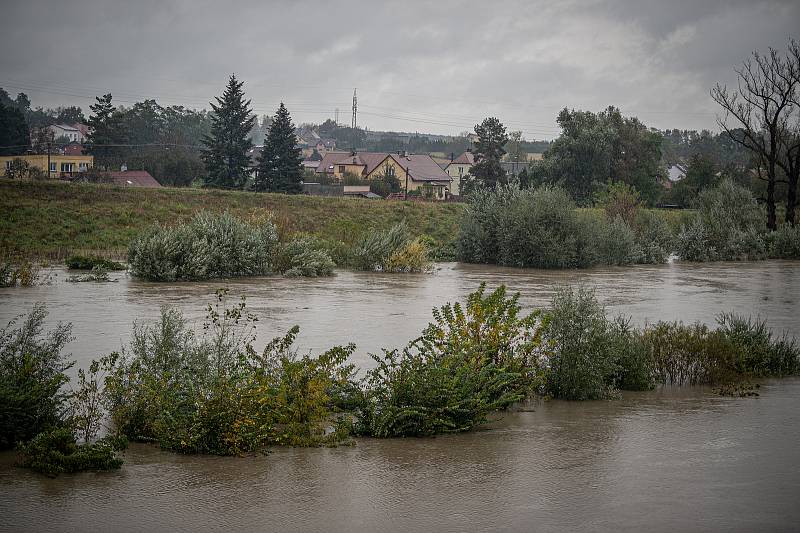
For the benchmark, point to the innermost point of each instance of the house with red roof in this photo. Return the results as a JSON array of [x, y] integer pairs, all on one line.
[[415, 171], [134, 178]]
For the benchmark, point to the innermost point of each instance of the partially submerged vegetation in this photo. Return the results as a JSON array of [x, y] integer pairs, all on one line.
[[216, 394], [37, 413], [90, 262], [541, 228]]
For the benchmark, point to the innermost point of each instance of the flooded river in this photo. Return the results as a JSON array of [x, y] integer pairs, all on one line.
[[673, 459]]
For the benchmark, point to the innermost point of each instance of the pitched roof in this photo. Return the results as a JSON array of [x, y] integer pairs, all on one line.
[[467, 158], [421, 167], [330, 159], [134, 178]]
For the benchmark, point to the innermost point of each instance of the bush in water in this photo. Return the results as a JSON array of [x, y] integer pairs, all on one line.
[[729, 226], [469, 362], [55, 452], [84, 262], [542, 228], [785, 242], [208, 246], [581, 362], [32, 374], [390, 250], [305, 256], [758, 353], [217, 395]]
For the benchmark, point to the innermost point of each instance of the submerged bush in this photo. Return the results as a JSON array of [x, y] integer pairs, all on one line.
[[728, 226], [89, 262], [542, 228], [55, 452], [32, 375], [469, 362], [304, 256], [785, 242], [217, 395], [390, 250], [655, 241], [581, 362], [98, 273], [758, 353], [208, 246]]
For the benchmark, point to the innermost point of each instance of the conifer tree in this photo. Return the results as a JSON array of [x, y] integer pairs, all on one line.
[[489, 150], [279, 167], [225, 154]]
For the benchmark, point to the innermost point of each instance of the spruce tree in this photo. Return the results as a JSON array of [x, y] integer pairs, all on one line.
[[279, 166], [106, 133], [489, 149], [225, 153]]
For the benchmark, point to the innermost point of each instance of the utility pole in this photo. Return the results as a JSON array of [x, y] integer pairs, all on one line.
[[405, 196], [354, 123], [48, 159]]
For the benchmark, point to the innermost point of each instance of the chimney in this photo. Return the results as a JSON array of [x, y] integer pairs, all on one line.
[[124, 167]]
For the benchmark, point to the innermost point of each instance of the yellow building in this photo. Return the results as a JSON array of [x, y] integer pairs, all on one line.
[[61, 166], [414, 171], [457, 169]]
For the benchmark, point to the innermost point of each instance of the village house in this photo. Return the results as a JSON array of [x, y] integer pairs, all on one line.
[[416, 172], [60, 166], [71, 133], [457, 169]]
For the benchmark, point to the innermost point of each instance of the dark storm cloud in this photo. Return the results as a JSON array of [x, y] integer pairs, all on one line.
[[419, 66]]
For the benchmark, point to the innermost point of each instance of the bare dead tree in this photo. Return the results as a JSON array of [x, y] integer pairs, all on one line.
[[790, 163], [761, 106]]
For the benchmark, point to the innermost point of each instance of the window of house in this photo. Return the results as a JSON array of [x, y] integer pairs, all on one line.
[[341, 169], [66, 167], [82, 167], [52, 167], [390, 171]]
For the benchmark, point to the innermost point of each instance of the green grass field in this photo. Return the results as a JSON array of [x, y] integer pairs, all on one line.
[[51, 220]]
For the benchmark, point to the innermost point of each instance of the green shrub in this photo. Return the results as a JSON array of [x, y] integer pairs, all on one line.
[[83, 262], [580, 348], [55, 452], [690, 354], [729, 226], [32, 374], [217, 395], [655, 241], [632, 357], [99, 273], [8, 274], [616, 243], [469, 362], [542, 228], [390, 250], [208, 246], [785, 242], [304, 256], [618, 199], [758, 353]]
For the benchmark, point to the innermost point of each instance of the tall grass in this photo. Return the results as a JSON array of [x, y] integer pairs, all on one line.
[[391, 250]]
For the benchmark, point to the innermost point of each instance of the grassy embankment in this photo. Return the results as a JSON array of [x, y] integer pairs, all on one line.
[[52, 220]]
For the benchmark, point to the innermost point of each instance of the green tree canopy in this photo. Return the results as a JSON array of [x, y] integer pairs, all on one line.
[[595, 148], [279, 166], [226, 147], [489, 150], [14, 135]]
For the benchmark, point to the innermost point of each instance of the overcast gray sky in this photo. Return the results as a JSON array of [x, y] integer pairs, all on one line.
[[436, 66]]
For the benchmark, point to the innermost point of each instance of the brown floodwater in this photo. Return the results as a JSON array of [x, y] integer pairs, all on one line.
[[673, 459]]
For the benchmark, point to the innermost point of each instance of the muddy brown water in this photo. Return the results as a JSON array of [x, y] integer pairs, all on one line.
[[672, 459]]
